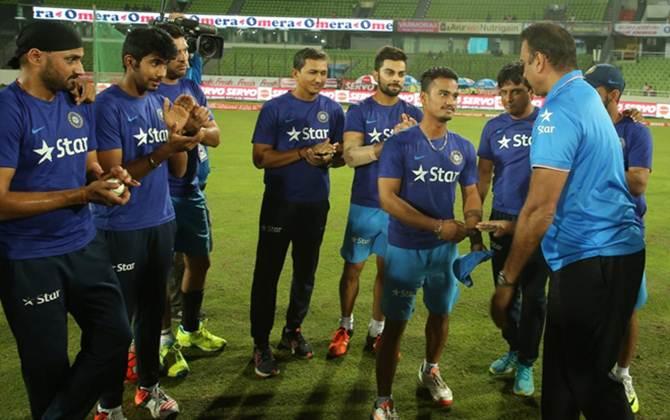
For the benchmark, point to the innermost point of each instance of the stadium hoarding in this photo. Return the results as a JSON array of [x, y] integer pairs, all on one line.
[[416, 25], [493, 28], [219, 21], [643, 29]]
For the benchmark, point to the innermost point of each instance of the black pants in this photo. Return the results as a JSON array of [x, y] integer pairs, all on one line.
[[37, 295], [142, 260], [524, 331], [281, 223], [590, 305]]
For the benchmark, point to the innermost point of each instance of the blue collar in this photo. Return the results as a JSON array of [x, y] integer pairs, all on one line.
[[563, 81]]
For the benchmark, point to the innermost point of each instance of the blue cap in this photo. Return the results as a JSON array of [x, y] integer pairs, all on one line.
[[465, 264], [605, 75]]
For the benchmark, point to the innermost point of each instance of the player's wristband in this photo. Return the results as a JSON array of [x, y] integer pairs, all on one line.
[[152, 162]]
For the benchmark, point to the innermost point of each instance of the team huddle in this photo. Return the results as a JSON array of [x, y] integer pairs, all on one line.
[[99, 200]]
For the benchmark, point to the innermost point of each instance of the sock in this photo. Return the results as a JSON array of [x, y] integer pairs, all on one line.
[[375, 327], [191, 304], [166, 337], [347, 322], [621, 372], [428, 366]]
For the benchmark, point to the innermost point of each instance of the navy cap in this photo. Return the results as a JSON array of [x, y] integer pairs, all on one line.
[[605, 75], [47, 36]]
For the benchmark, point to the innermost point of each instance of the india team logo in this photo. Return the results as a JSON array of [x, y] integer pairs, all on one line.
[[75, 119], [623, 142], [322, 117], [456, 157], [160, 114]]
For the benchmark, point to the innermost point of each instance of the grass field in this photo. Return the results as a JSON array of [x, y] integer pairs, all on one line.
[[224, 386]]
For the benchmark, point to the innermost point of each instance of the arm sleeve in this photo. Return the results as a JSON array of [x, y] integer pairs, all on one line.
[[354, 120], [390, 161], [107, 127], [555, 141], [265, 131], [337, 128], [641, 148], [11, 133], [484, 150], [470, 174]]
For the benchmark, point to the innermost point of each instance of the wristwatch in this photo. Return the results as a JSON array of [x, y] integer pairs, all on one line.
[[502, 281]]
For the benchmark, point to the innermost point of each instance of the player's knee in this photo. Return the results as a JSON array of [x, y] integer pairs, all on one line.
[[352, 271]]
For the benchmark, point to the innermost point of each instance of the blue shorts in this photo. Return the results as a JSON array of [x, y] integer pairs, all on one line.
[[365, 234], [194, 236], [642, 293], [406, 270]]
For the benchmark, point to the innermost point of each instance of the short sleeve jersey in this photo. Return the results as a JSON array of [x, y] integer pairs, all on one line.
[[637, 150], [134, 125], [506, 142], [376, 123], [288, 123], [428, 179], [595, 215], [186, 185], [46, 143]]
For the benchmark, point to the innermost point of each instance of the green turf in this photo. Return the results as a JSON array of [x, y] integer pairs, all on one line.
[[223, 386]]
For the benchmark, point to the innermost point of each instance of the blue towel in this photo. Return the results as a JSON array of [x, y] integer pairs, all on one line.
[[465, 264]]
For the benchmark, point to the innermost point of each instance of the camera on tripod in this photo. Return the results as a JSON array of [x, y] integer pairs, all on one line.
[[200, 38]]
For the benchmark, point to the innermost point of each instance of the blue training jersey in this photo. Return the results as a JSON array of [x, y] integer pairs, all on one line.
[[46, 143], [188, 184], [506, 142], [637, 150], [134, 125], [595, 215], [288, 123], [376, 122], [428, 179]]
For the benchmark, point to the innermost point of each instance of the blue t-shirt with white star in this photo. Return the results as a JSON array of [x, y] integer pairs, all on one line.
[[189, 183], [376, 122], [46, 143], [428, 179], [287, 123], [134, 125], [506, 142], [637, 150], [595, 215]]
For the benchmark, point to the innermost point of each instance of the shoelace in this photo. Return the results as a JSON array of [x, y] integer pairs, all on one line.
[[437, 379], [524, 372], [628, 386]]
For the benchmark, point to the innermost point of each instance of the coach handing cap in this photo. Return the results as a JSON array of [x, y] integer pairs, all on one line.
[[579, 206]]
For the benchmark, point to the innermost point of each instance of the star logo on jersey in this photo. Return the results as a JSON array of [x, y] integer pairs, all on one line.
[[141, 137], [420, 174], [45, 152], [504, 142], [546, 116], [294, 135], [375, 136]]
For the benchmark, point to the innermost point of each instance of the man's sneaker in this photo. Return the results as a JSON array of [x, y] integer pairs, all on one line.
[[202, 339], [265, 363], [131, 367], [505, 364], [340, 343], [523, 380], [384, 411], [172, 362], [109, 413], [627, 382], [160, 405], [438, 389], [295, 342]]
